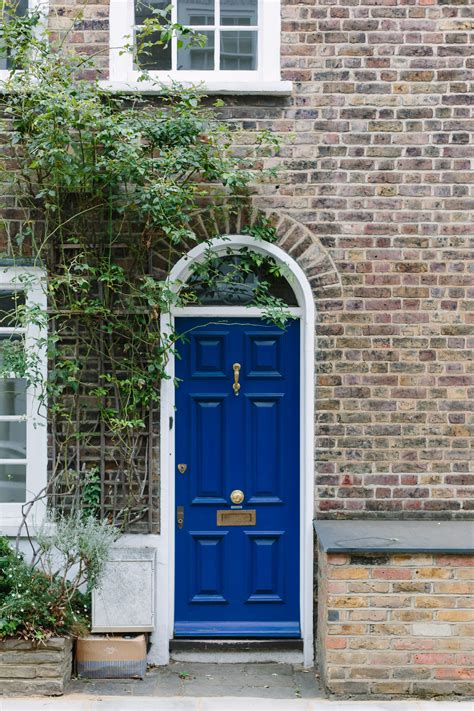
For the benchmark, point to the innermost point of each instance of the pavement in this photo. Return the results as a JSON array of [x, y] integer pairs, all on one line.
[[182, 686], [202, 680], [223, 703]]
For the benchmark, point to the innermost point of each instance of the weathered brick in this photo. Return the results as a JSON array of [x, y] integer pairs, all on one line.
[[409, 638]]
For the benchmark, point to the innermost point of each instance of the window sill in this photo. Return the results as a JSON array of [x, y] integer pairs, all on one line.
[[248, 88]]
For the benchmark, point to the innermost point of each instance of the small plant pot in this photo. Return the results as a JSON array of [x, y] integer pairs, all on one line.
[[113, 657], [31, 668]]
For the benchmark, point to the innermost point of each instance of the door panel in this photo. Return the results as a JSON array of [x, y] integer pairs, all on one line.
[[237, 580], [208, 353], [208, 456], [266, 566], [264, 434], [208, 569], [263, 356]]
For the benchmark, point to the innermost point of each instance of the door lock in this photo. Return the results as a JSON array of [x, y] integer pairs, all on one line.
[[180, 516]]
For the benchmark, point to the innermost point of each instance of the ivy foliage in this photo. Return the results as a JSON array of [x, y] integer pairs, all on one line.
[[111, 188]]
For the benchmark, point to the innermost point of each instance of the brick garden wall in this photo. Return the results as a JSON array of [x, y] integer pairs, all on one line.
[[376, 166], [396, 624]]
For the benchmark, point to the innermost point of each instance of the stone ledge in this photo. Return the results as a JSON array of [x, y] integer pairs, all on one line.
[[211, 88], [450, 537]]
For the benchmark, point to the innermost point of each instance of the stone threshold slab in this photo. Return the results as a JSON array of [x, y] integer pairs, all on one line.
[[454, 537]]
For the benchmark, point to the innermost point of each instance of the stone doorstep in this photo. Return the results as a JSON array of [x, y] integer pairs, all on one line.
[[30, 669]]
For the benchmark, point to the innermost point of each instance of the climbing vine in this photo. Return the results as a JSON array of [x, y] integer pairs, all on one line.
[[108, 191]]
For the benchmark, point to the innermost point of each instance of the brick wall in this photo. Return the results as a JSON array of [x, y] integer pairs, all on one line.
[[375, 165], [396, 624], [379, 170], [83, 26]]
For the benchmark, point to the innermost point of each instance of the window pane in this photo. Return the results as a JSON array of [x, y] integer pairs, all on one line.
[[12, 353], [12, 483], [145, 9], [21, 8], [157, 57], [153, 55], [9, 302], [239, 50], [12, 440], [12, 397], [239, 12], [198, 57], [196, 12], [223, 282]]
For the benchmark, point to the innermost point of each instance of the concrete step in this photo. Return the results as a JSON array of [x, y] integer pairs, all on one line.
[[222, 650]]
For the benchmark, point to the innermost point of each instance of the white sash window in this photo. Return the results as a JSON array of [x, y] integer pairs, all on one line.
[[242, 42], [23, 430]]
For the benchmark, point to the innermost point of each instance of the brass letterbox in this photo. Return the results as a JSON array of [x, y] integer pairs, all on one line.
[[232, 517]]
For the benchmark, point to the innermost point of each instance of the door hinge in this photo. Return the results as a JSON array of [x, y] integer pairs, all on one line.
[[171, 422]]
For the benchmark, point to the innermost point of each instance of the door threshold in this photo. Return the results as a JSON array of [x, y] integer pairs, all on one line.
[[227, 650]]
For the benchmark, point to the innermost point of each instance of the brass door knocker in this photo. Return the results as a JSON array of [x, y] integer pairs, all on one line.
[[236, 385]]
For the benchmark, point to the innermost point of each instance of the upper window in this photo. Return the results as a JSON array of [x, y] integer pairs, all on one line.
[[240, 40], [229, 32], [23, 431]]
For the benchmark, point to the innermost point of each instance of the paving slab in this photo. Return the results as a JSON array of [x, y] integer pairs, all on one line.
[[197, 679]]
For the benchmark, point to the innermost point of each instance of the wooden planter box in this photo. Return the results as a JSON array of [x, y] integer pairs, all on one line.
[[28, 668]]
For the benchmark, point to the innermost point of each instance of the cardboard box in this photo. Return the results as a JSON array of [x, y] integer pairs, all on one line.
[[99, 657]]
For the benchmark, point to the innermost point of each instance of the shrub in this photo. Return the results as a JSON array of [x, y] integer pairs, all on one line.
[[34, 606], [51, 596]]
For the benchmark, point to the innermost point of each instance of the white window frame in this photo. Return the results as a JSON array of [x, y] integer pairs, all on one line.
[[43, 6], [36, 416], [124, 75]]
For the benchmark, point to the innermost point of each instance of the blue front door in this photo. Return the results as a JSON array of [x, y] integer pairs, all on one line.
[[237, 565]]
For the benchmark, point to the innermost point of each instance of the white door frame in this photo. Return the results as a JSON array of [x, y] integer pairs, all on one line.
[[305, 311]]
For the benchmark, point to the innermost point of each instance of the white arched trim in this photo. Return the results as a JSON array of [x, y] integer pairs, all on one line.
[[304, 311]]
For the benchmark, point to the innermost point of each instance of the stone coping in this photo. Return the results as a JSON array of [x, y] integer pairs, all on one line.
[[396, 536]]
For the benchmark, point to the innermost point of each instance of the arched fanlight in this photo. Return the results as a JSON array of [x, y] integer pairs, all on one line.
[[230, 285]]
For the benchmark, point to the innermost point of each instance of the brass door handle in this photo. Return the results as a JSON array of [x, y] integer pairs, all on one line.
[[237, 496], [236, 385]]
